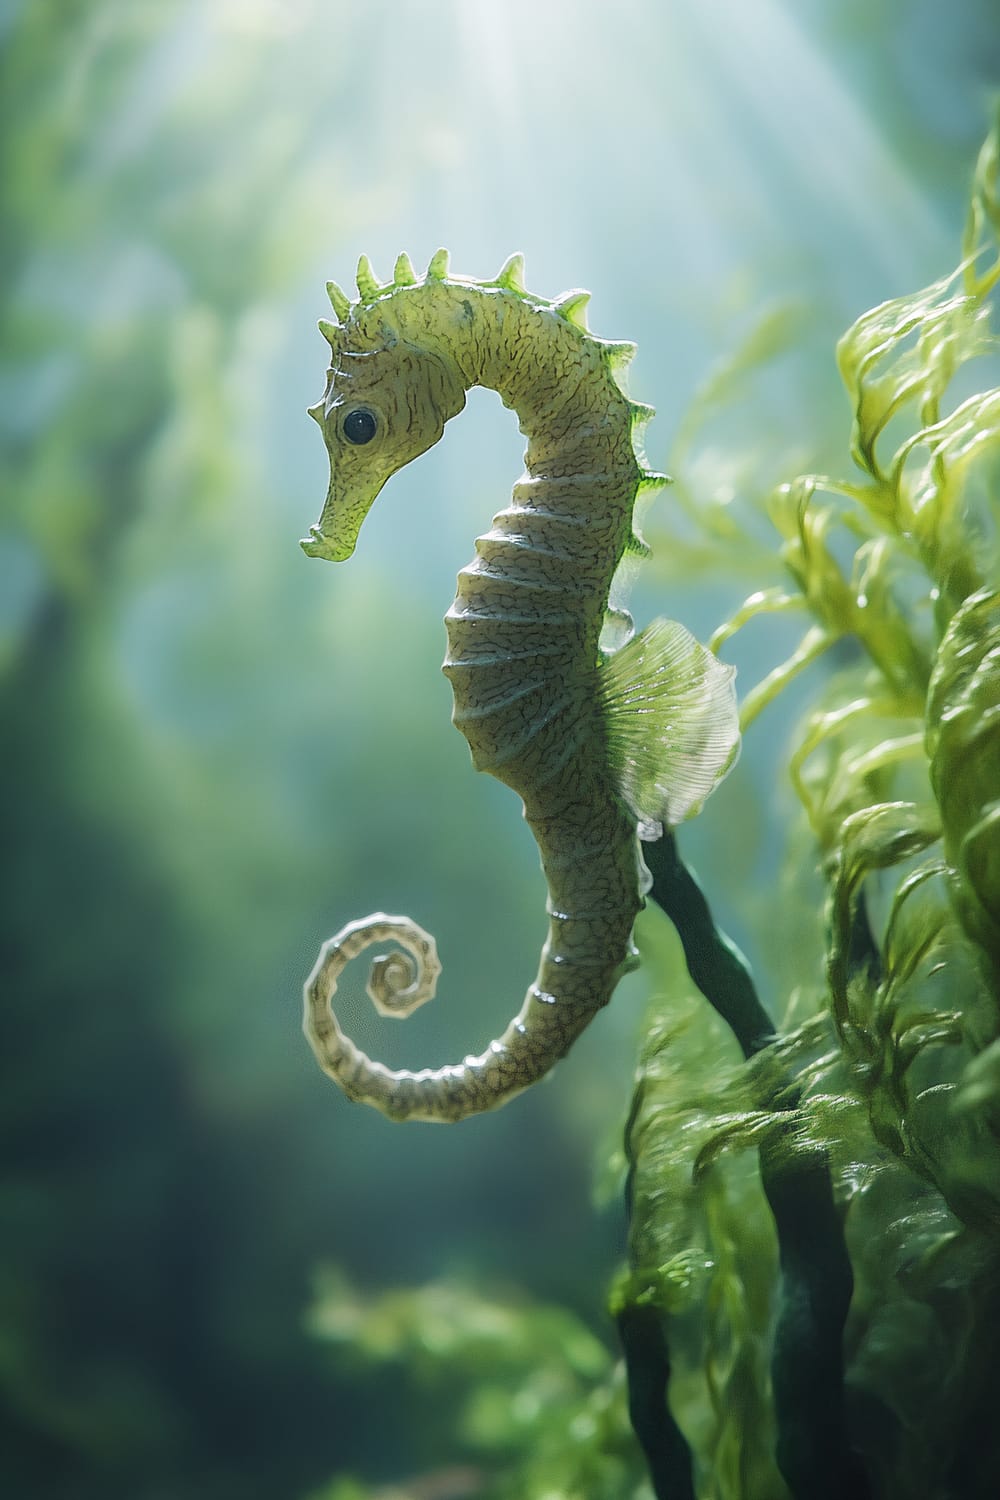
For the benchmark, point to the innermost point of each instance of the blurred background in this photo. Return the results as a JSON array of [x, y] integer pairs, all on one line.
[[214, 752]]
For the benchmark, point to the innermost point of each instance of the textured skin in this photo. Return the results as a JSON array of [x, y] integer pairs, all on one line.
[[523, 638]]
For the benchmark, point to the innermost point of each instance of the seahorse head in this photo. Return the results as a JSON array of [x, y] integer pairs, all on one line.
[[390, 390]]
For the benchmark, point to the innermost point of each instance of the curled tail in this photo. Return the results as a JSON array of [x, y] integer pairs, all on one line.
[[399, 983], [662, 734]]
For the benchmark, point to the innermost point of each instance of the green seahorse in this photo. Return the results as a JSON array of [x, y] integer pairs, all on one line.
[[601, 745]]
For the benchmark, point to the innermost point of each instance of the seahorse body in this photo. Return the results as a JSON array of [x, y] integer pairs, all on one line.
[[598, 746]]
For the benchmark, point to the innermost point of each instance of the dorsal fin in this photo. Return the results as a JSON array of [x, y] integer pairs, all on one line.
[[671, 721]]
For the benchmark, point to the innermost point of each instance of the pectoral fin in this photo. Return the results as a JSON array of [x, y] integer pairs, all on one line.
[[672, 723]]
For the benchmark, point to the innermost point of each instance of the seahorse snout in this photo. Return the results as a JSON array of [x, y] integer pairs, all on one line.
[[335, 535], [318, 545]]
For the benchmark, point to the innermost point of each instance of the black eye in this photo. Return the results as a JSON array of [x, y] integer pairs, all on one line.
[[360, 425]]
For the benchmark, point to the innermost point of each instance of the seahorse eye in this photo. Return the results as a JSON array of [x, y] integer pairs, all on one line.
[[360, 425]]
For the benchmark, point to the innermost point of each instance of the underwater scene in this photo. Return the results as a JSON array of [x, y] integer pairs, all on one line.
[[719, 928]]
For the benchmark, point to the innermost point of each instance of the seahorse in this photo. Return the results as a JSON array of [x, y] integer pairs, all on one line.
[[603, 739]]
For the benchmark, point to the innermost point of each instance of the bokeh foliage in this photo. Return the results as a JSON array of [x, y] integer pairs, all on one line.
[[137, 268], [182, 706], [522, 1395]]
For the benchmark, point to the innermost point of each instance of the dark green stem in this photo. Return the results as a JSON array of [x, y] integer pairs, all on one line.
[[816, 1281], [643, 1335], [642, 1330], [715, 964]]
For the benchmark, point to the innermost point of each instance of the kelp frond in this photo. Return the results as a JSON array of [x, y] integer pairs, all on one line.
[[893, 1078]]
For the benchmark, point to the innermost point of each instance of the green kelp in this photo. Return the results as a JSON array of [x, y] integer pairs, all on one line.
[[885, 1064]]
